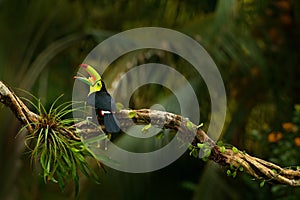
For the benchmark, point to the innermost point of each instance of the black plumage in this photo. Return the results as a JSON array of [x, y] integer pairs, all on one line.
[[103, 102]]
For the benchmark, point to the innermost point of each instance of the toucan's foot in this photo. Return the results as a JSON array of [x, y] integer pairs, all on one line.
[[88, 118]]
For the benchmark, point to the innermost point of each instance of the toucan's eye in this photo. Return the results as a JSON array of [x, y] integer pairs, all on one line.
[[98, 84]]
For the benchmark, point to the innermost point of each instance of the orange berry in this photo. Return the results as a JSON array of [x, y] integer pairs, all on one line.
[[255, 71], [274, 137], [297, 141], [284, 5], [290, 127], [285, 19]]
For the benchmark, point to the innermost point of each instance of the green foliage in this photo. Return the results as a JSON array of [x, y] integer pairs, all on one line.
[[285, 141], [200, 145], [232, 171], [131, 114], [222, 149], [235, 150], [190, 125], [119, 106], [194, 151], [222, 146], [52, 143], [202, 150], [283, 145], [146, 128], [262, 184]]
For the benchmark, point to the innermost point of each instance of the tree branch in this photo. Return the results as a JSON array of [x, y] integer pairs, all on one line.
[[256, 167], [9, 99]]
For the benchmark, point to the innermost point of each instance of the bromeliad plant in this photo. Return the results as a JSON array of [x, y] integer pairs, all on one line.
[[52, 143]]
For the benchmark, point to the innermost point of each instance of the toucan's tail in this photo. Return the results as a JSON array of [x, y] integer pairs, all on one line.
[[111, 123]]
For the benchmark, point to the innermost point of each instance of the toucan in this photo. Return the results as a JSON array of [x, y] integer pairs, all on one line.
[[100, 100]]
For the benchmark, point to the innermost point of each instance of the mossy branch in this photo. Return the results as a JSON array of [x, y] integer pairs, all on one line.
[[256, 167]]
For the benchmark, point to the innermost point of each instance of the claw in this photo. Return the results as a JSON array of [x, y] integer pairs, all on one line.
[[88, 118]]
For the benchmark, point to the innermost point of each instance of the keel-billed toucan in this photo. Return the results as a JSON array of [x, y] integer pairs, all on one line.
[[100, 99]]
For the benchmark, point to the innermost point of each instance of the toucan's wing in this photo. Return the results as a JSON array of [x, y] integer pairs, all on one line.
[[111, 123], [103, 101]]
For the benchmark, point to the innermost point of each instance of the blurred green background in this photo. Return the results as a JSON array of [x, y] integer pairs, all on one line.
[[255, 45]]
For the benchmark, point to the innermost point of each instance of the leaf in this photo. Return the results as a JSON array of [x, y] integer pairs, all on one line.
[[297, 107], [234, 174], [192, 151], [199, 145], [207, 152], [235, 150], [222, 149], [220, 143], [119, 106], [195, 153], [131, 114], [241, 168], [205, 159], [76, 184], [160, 135], [60, 180], [146, 128], [262, 184], [190, 125], [228, 172]]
